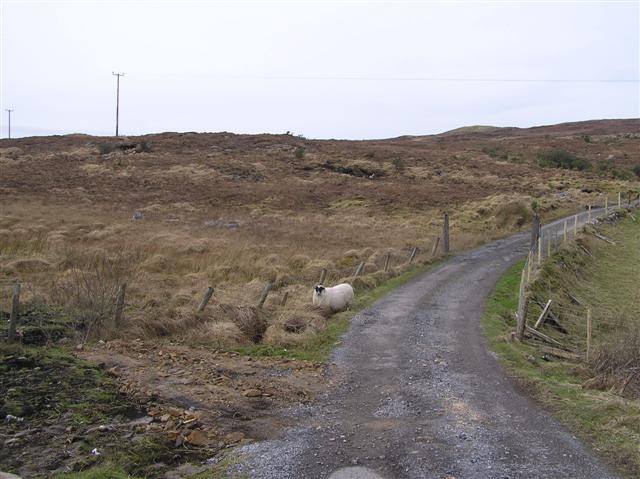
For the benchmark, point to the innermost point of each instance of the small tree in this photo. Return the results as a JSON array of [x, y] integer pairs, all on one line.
[[299, 153]]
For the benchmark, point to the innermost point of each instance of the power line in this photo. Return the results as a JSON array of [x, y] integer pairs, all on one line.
[[9, 125], [117, 75]]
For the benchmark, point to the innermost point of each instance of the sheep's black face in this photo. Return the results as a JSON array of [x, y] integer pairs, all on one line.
[[319, 289]]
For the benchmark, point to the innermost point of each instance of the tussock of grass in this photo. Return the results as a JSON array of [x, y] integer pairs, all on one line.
[[603, 417]]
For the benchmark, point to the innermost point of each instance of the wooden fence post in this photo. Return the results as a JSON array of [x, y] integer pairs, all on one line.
[[386, 261], [117, 317], [564, 232], [265, 293], [520, 315], [358, 270], [323, 275], [205, 299], [542, 317], [589, 215], [548, 245], [15, 310], [413, 254], [435, 246], [445, 233], [588, 333], [284, 298], [535, 231], [575, 226], [539, 251], [619, 200], [529, 266], [606, 205]]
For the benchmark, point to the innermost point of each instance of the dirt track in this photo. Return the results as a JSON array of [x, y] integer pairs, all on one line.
[[420, 396]]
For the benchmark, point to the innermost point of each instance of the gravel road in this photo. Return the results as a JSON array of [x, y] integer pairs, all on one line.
[[419, 396]]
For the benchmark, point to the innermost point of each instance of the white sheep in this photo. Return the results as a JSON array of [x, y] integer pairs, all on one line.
[[337, 298]]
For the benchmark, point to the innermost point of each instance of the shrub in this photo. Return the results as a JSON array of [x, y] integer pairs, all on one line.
[[106, 148], [399, 164], [559, 158], [299, 153], [636, 170]]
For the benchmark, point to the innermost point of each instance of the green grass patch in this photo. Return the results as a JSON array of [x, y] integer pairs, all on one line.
[[609, 422], [320, 346]]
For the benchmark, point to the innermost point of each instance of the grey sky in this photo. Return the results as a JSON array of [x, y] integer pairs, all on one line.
[[322, 69]]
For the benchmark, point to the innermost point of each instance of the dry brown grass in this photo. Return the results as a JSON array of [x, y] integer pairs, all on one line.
[[235, 212]]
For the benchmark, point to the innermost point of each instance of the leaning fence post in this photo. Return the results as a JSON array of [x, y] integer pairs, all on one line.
[[413, 254], [117, 317], [445, 233], [386, 261], [15, 309], [284, 298], [588, 333], [358, 270], [205, 299], [435, 246], [323, 275], [265, 293]]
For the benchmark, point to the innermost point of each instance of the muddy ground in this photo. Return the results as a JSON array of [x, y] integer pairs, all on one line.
[[149, 409]]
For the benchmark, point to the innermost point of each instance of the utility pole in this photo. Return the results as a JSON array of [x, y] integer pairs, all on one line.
[[9, 112], [117, 75]]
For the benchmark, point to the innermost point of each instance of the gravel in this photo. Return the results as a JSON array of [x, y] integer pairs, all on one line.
[[419, 395]]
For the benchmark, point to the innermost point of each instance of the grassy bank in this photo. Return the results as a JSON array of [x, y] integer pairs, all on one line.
[[598, 402]]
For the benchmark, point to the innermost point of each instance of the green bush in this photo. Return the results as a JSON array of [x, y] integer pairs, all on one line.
[[106, 148], [558, 158], [636, 170], [299, 153]]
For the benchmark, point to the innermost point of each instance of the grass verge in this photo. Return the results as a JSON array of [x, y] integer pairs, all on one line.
[[606, 420]]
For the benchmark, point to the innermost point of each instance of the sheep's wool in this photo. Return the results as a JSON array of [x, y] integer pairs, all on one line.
[[337, 298]]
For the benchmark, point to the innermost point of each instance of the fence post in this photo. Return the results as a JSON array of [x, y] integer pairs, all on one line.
[[548, 245], [606, 205], [205, 299], [539, 251], [435, 246], [284, 298], [265, 293], [619, 200], [358, 270], [529, 266], [323, 275], [589, 216], [588, 333], [535, 231], [15, 310], [575, 226], [386, 261], [564, 232], [117, 317], [413, 254], [520, 315], [445, 233]]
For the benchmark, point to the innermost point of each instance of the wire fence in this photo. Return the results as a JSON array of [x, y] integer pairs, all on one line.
[[545, 242]]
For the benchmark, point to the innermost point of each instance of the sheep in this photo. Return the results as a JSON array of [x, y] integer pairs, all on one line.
[[337, 298]]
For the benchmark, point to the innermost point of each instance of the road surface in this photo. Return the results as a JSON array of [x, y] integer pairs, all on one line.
[[420, 396]]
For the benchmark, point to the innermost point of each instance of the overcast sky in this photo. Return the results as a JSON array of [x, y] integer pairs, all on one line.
[[322, 69]]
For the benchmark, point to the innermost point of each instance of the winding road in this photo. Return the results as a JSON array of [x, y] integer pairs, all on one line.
[[418, 394]]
